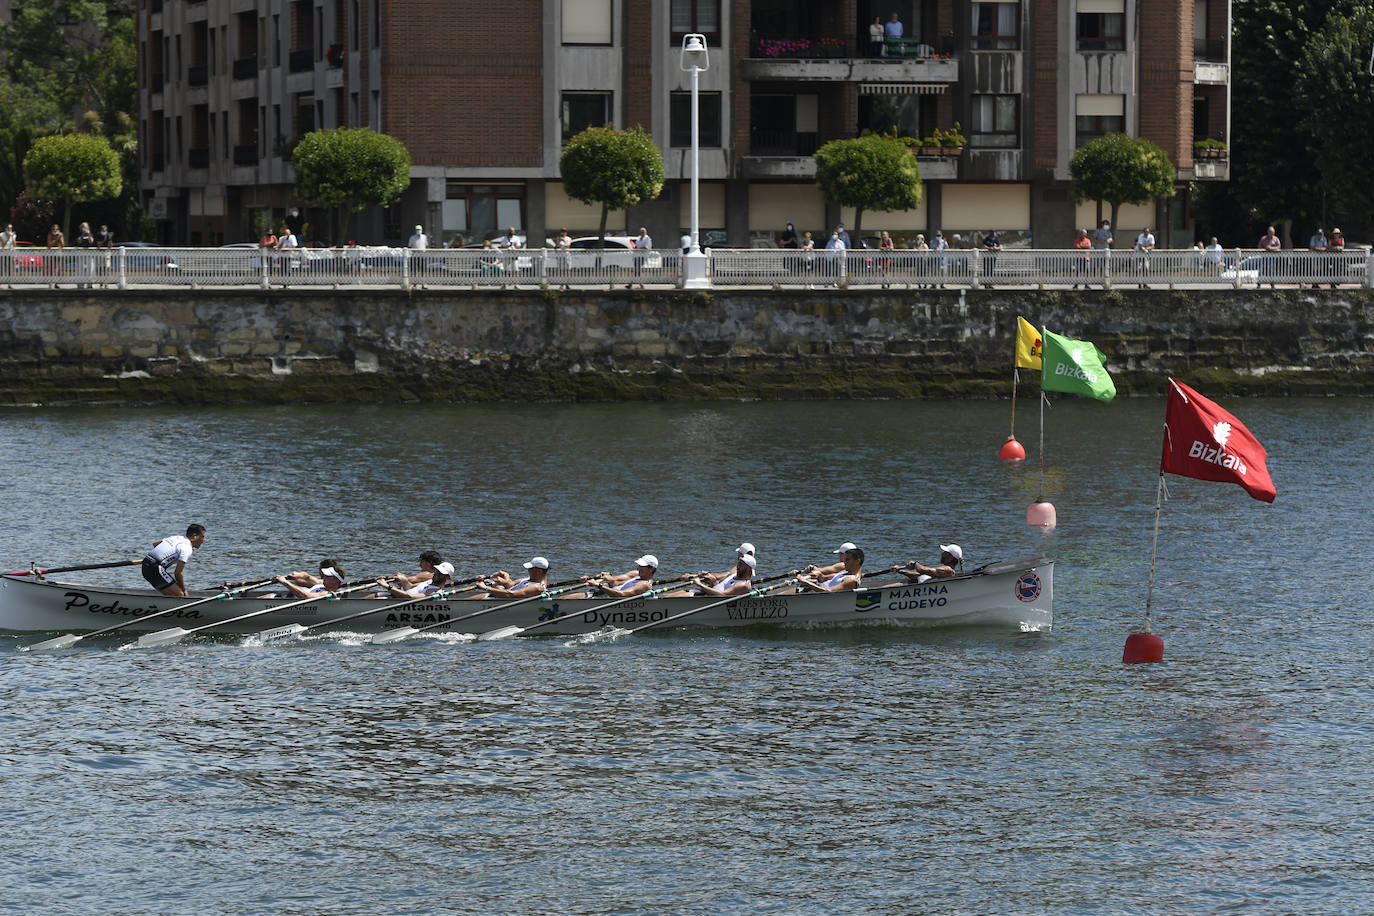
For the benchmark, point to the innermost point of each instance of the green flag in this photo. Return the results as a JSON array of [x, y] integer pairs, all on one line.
[[1074, 366]]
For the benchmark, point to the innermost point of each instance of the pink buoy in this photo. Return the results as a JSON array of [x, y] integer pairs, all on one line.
[[1143, 649], [1012, 450], [1040, 514]]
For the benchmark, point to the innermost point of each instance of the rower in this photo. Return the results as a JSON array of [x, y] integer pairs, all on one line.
[[706, 577], [627, 584], [846, 579], [331, 579], [428, 560], [443, 575], [165, 565], [738, 582], [821, 572], [951, 558], [501, 585]]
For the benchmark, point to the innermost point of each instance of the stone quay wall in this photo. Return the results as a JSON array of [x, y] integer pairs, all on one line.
[[61, 347]]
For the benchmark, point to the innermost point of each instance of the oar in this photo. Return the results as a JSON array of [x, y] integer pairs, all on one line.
[[62, 642], [505, 632], [613, 634], [35, 571], [400, 633], [175, 634], [295, 629]]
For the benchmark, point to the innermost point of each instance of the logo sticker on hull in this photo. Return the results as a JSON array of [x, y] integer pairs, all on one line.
[[867, 602], [1028, 587]]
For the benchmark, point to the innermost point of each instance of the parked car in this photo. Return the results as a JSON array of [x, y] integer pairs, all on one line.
[[615, 251], [26, 261], [142, 259]]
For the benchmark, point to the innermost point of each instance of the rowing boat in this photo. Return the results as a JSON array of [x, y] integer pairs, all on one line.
[[1018, 594]]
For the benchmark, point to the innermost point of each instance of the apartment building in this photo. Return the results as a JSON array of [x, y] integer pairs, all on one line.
[[484, 94]]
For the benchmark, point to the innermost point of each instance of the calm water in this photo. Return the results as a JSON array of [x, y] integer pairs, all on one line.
[[877, 770]]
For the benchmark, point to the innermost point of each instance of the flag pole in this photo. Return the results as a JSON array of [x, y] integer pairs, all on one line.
[[1145, 646], [1154, 552]]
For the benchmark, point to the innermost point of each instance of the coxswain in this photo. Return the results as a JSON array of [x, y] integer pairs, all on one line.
[[165, 565]]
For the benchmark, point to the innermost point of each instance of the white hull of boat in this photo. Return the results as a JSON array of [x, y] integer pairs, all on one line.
[[1018, 595]]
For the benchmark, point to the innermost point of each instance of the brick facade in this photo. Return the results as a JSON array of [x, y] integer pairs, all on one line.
[[1166, 77]]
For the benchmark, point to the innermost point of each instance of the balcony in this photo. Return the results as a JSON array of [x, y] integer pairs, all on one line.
[[158, 163], [155, 83], [246, 154], [1210, 49], [835, 59], [246, 68], [197, 75], [301, 60], [198, 157]]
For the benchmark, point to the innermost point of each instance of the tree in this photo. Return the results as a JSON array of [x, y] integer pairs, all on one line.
[[350, 168], [614, 168], [1118, 169], [874, 172], [72, 167]]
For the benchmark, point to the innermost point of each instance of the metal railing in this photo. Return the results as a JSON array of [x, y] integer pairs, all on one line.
[[249, 266]]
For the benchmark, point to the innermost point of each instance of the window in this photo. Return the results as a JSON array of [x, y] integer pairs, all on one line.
[[1098, 115], [996, 26], [586, 22], [708, 119], [688, 16], [996, 121], [585, 109], [473, 213], [1101, 31]]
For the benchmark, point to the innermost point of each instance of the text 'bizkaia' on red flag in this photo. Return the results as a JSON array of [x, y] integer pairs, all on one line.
[[1205, 442]]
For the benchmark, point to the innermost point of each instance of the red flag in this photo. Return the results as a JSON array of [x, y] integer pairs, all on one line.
[[1203, 441]]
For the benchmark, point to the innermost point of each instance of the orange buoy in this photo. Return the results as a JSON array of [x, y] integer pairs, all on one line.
[[1012, 450], [1041, 514], [1143, 649]]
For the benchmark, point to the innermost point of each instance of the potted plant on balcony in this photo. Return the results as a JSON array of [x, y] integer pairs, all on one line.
[[951, 141], [1209, 149], [334, 55]]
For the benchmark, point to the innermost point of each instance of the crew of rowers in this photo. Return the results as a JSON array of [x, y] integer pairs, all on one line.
[[436, 574]]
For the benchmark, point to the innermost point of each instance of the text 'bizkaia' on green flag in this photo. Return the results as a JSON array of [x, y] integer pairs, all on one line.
[[1074, 366]]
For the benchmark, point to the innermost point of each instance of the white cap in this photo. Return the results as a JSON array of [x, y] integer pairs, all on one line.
[[331, 572], [748, 560], [847, 546], [746, 547], [537, 563], [647, 560], [953, 550], [444, 569]]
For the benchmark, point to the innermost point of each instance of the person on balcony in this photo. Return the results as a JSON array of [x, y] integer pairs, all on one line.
[[893, 29], [876, 48]]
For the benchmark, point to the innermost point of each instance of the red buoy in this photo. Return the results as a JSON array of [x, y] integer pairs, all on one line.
[[1012, 450], [1041, 514], [1143, 649]]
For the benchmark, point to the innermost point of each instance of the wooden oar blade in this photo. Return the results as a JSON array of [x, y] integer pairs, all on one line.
[[395, 635], [57, 642], [160, 638], [502, 633], [605, 634]]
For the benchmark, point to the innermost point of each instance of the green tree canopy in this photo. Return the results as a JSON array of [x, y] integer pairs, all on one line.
[[62, 58], [1118, 169], [614, 168], [350, 168], [73, 167], [874, 172]]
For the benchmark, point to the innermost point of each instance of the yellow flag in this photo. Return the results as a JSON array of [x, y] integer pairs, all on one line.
[[1028, 344]]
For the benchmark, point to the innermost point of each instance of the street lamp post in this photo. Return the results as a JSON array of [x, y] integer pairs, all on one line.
[[695, 60]]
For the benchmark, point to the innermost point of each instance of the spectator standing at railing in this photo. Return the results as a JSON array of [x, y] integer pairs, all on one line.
[[834, 255], [844, 236], [85, 240], [1080, 264], [1215, 255], [789, 237], [1336, 245], [991, 246], [1144, 244], [1269, 242], [885, 260], [642, 243], [104, 239], [940, 246], [1317, 243], [875, 38], [509, 240], [7, 240], [56, 239]]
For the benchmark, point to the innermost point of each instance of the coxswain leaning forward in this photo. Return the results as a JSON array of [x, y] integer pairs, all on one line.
[[845, 579], [500, 584], [165, 564], [443, 575], [626, 584]]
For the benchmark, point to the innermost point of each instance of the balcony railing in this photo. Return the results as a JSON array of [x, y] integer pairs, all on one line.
[[782, 142], [800, 47], [155, 84], [247, 154], [198, 157], [245, 68], [197, 75], [301, 60]]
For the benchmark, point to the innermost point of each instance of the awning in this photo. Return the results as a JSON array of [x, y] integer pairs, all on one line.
[[902, 88]]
